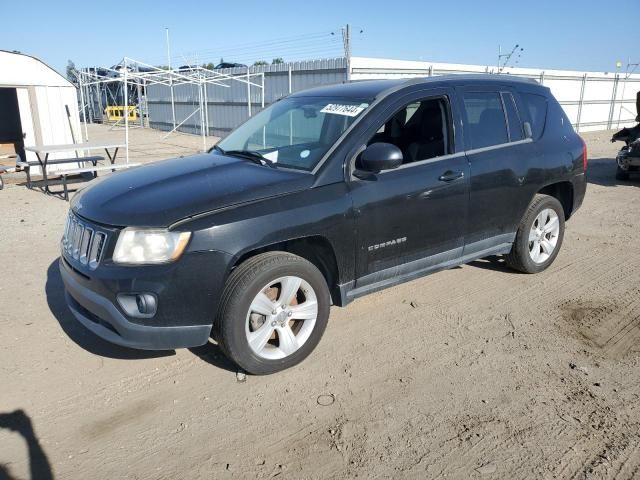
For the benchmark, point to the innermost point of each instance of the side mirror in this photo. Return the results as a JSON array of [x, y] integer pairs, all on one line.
[[528, 133], [379, 156]]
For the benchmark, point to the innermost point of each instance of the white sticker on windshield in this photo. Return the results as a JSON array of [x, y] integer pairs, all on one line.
[[347, 110], [273, 156]]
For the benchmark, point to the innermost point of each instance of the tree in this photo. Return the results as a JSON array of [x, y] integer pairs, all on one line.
[[208, 66], [260, 63], [277, 61], [71, 71]]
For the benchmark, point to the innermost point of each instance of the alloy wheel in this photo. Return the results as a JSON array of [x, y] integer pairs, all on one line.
[[281, 317], [543, 236]]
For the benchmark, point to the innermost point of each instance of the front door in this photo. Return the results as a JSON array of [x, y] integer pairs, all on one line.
[[413, 217]]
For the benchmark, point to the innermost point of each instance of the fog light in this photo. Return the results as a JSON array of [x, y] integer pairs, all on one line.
[[138, 305]]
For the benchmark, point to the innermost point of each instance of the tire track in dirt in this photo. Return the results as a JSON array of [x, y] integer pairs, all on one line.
[[611, 325]]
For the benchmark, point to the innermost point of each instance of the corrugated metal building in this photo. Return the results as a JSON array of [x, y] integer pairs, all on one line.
[[228, 106], [33, 98]]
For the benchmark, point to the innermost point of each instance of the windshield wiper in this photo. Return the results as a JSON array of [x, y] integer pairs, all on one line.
[[252, 155]]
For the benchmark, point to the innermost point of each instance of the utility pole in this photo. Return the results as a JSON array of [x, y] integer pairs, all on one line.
[[346, 39], [173, 105]]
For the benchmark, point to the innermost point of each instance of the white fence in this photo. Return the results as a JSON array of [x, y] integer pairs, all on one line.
[[592, 100]]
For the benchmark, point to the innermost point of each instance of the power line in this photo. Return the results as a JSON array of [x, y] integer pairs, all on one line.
[[334, 49], [317, 43], [238, 49], [264, 50], [280, 51], [279, 41]]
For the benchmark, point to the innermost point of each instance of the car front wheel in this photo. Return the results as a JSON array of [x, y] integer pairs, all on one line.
[[274, 310]]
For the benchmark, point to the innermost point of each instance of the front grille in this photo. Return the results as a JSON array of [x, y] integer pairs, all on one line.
[[82, 242]]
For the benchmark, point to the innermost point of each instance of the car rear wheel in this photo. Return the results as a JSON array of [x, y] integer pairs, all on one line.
[[274, 310], [539, 236]]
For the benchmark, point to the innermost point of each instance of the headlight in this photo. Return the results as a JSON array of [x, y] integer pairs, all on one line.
[[149, 246]]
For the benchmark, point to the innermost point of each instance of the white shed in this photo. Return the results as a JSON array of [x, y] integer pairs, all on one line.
[[39, 106]]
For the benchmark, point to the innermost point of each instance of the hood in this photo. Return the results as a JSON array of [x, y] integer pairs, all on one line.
[[160, 194]]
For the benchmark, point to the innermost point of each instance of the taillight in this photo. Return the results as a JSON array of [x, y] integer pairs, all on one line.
[[584, 155]]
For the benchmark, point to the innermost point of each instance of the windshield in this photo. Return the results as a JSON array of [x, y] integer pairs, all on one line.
[[295, 132]]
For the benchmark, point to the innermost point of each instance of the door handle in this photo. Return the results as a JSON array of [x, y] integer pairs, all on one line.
[[450, 176]]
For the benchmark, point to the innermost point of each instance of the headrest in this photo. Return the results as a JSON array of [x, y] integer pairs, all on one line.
[[396, 124], [491, 116]]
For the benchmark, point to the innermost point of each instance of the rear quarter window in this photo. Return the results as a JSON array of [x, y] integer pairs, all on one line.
[[486, 123], [537, 107], [557, 119]]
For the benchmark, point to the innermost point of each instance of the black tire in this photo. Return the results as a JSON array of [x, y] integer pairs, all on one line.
[[519, 257], [242, 286], [1, 183], [621, 174]]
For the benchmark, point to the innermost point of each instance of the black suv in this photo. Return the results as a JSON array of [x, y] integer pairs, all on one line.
[[323, 197]]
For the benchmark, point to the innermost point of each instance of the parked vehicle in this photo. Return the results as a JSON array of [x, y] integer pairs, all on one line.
[[628, 158], [327, 195], [229, 65]]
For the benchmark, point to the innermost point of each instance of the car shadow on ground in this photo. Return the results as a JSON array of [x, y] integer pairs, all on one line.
[[212, 354], [494, 263], [78, 333], [19, 422], [602, 171]]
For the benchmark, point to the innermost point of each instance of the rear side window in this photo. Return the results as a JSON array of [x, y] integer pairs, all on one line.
[[486, 122], [537, 108], [513, 118]]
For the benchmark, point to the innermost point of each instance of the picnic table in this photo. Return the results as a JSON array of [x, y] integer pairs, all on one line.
[[43, 151]]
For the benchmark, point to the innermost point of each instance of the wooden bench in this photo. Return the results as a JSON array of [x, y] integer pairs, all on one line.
[[77, 171]]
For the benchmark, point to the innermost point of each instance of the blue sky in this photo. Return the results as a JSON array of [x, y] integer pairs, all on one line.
[[570, 34]]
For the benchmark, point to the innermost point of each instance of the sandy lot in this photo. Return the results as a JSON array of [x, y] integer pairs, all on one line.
[[476, 372]]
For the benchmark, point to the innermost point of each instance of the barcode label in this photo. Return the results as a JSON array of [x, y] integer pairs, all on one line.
[[347, 110]]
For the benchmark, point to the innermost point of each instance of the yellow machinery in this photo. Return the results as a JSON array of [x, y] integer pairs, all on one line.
[[116, 114]]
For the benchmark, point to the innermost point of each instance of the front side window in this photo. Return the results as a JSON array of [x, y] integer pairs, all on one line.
[[486, 124], [421, 130], [295, 132]]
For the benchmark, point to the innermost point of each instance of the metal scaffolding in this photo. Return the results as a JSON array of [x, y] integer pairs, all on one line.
[[131, 73]]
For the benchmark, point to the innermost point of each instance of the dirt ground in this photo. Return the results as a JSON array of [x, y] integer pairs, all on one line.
[[475, 372]]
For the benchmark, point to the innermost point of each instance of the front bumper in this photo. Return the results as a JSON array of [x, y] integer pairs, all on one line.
[[102, 317]]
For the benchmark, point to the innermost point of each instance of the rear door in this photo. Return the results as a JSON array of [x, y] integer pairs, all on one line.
[[412, 217], [499, 158]]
